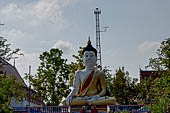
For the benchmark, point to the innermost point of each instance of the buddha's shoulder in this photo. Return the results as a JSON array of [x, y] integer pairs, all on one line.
[[100, 73]]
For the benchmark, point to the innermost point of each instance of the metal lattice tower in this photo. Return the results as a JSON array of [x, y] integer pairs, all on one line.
[[98, 47]]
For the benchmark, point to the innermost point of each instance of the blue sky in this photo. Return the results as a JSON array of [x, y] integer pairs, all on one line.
[[135, 29]]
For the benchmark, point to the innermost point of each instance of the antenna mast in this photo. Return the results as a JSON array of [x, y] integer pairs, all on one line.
[[29, 93], [98, 47]]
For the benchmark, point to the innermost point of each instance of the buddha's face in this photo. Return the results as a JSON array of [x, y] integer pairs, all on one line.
[[89, 58]]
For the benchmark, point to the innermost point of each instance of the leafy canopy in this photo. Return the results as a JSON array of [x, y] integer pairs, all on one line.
[[162, 62], [5, 51], [52, 77], [9, 86], [161, 86], [77, 65], [125, 89]]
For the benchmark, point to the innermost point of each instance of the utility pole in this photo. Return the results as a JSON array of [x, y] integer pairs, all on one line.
[[14, 60], [29, 74], [1, 25], [97, 12]]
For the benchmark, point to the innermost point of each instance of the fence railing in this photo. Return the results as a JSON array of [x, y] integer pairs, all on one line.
[[128, 108], [49, 109], [20, 108], [66, 109]]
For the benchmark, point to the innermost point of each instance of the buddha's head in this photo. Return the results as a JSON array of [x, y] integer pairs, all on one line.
[[89, 55]]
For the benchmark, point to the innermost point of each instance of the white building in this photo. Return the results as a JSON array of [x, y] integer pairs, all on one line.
[[29, 99]]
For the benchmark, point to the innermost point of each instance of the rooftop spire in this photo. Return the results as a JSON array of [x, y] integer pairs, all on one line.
[[89, 47], [89, 42]]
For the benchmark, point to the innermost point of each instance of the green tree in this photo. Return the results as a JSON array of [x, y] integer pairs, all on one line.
[[52, 77], [161, 90], [146, 90], [77, 65], [109, 78], [9, 86], [162, 62], [161, 87], [125, 89], [6, 52]]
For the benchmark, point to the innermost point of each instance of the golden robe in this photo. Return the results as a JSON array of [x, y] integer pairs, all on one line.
[[92, 91]]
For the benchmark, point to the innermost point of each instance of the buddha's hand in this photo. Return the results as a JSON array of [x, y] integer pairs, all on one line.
[[68, 100]]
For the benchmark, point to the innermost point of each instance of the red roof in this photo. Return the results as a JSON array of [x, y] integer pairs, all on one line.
[[151, 73]]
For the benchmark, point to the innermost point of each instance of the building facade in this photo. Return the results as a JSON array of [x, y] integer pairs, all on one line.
[[29, 99]]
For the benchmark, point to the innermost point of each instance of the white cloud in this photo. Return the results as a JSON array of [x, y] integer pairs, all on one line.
[[13, 11], [47, 42], [148, 47], [48, 10], [66, 47], [13, 34], [36, 13], [23, 63], [68, 2], [32, 59], [15, 37]]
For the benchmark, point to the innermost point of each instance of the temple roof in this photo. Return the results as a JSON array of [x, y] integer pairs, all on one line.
[[9, 70], [150, 73]]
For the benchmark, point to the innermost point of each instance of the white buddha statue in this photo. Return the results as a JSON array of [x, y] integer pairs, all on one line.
[[89, 84]]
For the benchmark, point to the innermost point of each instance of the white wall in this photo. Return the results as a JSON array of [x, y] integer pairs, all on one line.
[[24, 103]]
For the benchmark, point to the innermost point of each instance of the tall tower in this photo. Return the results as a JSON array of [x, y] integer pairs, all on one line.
[[98, 47]]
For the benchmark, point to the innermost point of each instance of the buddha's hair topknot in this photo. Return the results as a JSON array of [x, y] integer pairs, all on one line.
[[89, 47]]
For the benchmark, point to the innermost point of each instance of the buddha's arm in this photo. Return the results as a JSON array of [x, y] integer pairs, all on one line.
[[103, 85], [75, 85]]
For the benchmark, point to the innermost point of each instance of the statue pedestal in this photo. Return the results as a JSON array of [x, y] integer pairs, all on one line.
[[88, 109]]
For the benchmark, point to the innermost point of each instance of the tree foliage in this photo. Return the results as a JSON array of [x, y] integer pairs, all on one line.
[[6, 52], [146, 90], [161, 91], [161, 86], [9, 86], [162, 62], [52, 77], [109, 81], [125, 89], [77, 65]]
